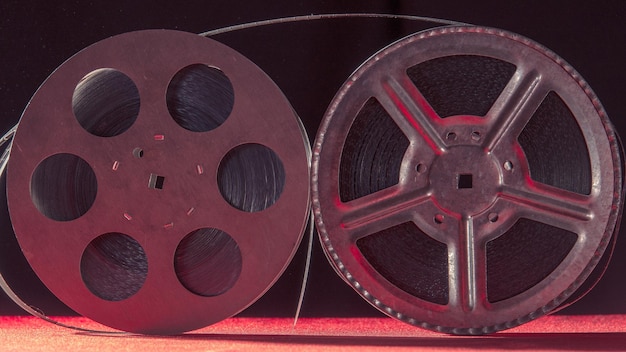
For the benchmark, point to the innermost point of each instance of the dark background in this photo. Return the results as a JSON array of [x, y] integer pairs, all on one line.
[[309, 61]]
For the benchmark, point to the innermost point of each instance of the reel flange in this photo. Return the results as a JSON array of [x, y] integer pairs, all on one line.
[[158, 182], [466, 180]]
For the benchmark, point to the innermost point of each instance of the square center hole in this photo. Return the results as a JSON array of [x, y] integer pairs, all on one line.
[[464, 181], [156, 181]]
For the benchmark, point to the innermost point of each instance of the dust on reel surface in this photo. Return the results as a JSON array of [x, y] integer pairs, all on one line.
[[158, 182], [466, 180]]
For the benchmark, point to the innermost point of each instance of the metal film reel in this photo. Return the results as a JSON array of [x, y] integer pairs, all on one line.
[[465, 180], [158, 182]]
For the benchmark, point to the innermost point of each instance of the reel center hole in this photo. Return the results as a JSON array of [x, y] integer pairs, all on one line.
[[464, 181], [156, 181]]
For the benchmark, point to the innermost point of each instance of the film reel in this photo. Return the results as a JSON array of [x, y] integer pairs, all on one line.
[[466, 180], [158, 182]]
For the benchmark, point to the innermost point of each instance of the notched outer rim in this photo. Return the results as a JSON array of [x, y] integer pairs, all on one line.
[[612, 221]]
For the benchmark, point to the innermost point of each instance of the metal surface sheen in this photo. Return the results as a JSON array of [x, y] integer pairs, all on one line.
[[155, 182], [464, 180]]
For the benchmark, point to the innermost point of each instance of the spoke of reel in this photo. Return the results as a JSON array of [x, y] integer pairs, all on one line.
[[552, 201], [467, 274], [380, 210], [514, 107], [412, 112]]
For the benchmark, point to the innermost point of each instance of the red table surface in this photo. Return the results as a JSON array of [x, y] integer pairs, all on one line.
[[551, 333]]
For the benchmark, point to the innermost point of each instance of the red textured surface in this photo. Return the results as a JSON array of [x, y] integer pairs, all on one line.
[[552, 333]]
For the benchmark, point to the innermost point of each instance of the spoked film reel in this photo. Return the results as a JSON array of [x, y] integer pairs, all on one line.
[[158, 182], [465, 180]]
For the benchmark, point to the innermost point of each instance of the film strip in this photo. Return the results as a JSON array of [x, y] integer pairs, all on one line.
[[443, 180]]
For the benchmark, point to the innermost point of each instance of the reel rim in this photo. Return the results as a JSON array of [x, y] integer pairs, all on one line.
[[288, 140], [322, 192]]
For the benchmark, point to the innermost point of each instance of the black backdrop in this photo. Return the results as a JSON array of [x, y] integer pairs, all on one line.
[[309, 61]]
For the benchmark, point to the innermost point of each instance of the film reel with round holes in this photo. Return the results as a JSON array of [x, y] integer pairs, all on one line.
[[159, 182], [466, 180]]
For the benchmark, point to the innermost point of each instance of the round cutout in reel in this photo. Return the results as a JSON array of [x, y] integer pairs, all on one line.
[[466, 180], [158, 182]]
